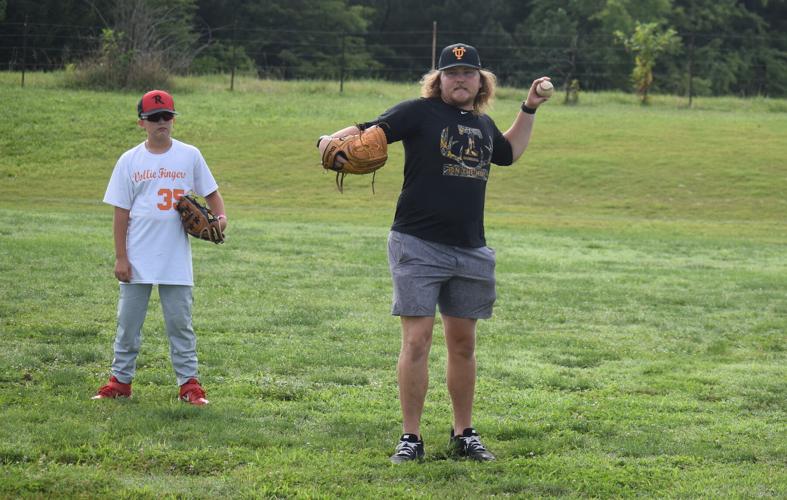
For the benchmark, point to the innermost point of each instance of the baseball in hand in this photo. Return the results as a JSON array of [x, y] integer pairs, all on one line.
[[545, 89]]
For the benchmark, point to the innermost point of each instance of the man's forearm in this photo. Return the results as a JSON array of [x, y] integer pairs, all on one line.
[[519, 134]]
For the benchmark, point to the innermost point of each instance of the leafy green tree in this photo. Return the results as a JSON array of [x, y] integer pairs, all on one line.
[[560, 38], [400, 32], [57, 32], [220, 57], [550, 39], [608, 57], [732, 46], [728, 46], [647, 43], [294, 39], [623, 15]]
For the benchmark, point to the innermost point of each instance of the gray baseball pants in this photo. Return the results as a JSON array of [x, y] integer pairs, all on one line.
[[176, 302]]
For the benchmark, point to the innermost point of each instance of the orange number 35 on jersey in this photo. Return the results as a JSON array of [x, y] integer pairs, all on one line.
[[169, 197]]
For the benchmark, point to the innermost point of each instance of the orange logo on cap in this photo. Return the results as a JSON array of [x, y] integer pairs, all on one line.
[[458, 52]]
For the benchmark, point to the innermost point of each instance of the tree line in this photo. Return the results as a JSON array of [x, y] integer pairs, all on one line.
[[694, 47]]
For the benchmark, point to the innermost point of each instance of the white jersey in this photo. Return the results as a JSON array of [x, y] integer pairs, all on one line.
[[149, 185]]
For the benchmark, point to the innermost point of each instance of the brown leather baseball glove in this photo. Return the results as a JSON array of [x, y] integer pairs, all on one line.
[[364, 153], [198, 220]]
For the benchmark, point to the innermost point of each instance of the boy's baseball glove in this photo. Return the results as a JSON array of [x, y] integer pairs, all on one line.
[[198, 220]]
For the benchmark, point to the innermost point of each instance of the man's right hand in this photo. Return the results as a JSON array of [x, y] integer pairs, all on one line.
[[123, 270]]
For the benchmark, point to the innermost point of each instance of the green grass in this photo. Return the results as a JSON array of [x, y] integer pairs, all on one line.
[[637, 347]]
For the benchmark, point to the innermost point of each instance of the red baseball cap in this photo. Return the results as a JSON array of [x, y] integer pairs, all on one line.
[[154, 102]]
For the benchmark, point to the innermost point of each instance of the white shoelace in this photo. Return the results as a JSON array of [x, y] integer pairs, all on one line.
[[473, 443], [406, 448]]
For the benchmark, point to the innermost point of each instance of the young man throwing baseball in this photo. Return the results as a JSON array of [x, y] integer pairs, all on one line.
[[437, 252], [151, 246]]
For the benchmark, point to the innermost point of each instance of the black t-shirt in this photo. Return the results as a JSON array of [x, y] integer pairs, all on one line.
[[448, 153]]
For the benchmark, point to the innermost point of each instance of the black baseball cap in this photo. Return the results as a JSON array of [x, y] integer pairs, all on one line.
[[459, 54]]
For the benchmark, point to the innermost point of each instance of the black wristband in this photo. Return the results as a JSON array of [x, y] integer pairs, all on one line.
[[525, 109]]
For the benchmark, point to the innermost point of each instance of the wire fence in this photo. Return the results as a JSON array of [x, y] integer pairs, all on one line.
[[599, 62]]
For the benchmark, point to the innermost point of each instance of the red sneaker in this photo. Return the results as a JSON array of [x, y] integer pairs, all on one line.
[[192, 392], [113, 389]]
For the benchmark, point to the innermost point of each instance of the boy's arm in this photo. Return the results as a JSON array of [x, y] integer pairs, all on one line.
[[216, 205], [120, 230]]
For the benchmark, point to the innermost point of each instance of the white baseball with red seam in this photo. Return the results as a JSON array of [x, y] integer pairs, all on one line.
[[545, 89]]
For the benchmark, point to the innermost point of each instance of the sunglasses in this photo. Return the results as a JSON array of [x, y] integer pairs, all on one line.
[[160, 116]]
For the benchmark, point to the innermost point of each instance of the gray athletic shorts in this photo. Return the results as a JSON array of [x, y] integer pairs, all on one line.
[[426, 274]]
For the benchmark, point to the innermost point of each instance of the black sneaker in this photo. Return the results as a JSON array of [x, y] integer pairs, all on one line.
[[409, 448], [469, 445]]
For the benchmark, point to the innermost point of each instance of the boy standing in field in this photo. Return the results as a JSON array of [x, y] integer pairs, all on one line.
[[151, 247]]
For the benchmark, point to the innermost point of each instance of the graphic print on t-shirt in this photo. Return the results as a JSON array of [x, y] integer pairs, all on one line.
[[467, 154], [167, 196], [147, 174]]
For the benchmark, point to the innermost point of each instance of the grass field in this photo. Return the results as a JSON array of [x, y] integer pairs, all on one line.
[[637, 349]]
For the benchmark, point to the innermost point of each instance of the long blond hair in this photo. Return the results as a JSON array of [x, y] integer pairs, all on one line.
[[430, 88]]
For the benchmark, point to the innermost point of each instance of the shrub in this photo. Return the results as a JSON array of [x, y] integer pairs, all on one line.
[[115, 68]]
